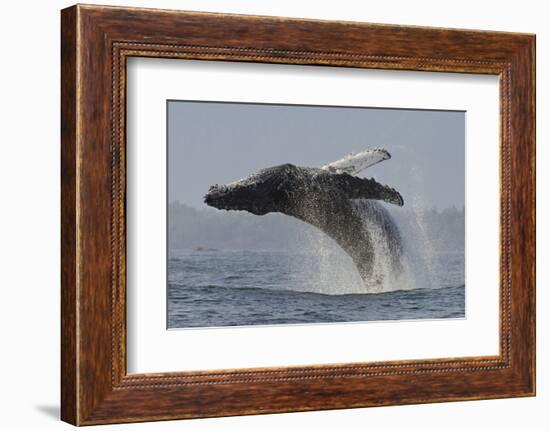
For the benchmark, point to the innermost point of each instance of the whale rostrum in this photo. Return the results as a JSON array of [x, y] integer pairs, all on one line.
[[331, 198]]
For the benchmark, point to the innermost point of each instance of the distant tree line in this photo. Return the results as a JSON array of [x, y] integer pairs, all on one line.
[[208, 228]]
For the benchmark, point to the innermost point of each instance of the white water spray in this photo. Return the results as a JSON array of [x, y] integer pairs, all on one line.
[[334, 272]]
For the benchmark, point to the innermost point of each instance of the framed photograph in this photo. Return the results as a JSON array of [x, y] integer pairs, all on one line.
[[263, 214]]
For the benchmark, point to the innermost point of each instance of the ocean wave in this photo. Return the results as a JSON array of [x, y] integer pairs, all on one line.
[[290, 292]]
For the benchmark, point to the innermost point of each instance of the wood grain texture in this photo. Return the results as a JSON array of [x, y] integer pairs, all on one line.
[[69, 397], [96, 41]]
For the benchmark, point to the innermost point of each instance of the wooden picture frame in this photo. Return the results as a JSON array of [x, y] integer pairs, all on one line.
[[95, 43]]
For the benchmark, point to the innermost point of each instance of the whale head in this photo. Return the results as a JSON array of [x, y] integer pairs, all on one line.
[[259, 194]]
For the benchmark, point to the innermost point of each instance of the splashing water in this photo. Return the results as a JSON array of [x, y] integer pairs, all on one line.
[[420, 247], [390, 271], [335, 272], [332, 271]]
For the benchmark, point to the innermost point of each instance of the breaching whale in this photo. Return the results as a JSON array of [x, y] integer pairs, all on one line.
[[331, 198]]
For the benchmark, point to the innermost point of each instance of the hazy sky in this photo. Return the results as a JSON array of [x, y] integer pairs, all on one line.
[[211, 142]]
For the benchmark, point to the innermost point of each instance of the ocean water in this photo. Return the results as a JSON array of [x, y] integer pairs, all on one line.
[[213, 288]]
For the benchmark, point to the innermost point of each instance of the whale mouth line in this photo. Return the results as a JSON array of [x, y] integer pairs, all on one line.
[[226, 207]]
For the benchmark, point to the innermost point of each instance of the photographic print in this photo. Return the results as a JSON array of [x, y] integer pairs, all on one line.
[[299, 214]]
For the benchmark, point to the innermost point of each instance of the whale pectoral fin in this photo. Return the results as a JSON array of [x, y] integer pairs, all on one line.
[[365, 188], [354, 163]]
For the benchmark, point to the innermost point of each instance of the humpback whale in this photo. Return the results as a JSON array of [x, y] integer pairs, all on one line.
[[331, 198]]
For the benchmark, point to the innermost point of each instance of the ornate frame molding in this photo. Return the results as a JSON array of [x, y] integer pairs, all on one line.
[[96, 41]]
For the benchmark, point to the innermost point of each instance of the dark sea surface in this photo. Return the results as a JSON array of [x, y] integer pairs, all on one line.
[[212, 288]]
